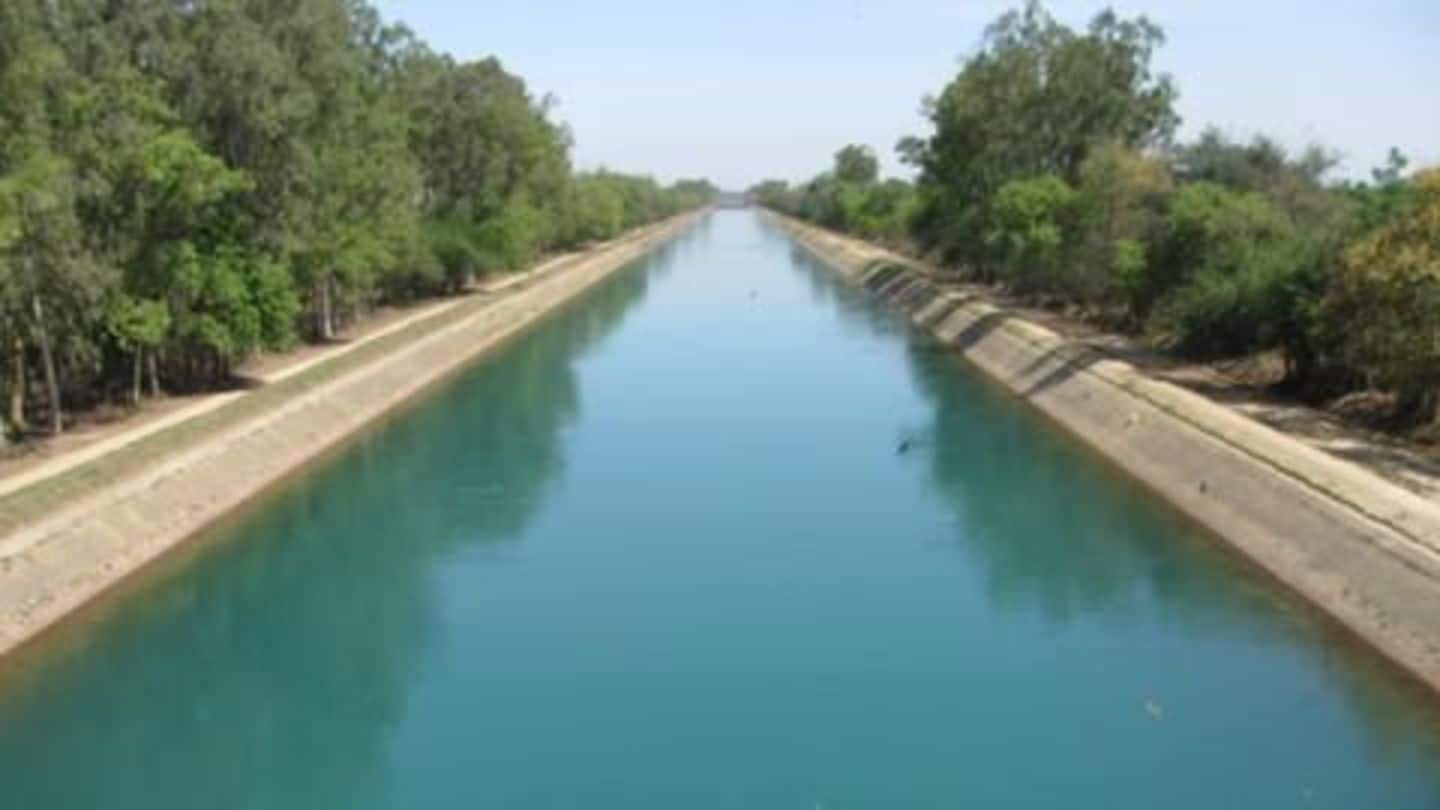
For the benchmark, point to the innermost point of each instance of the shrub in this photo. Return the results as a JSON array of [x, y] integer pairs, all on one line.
[[1388, 296], [1029, 220]]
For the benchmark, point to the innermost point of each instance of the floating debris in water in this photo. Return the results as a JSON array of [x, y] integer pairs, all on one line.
[[1154, 709], [910, 440]]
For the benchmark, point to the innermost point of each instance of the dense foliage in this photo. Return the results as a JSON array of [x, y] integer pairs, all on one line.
[[849, 198], [1052, 168], [184, 183]]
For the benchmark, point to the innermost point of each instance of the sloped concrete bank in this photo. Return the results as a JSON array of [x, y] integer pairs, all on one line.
[[1364, 550], [51, 568]]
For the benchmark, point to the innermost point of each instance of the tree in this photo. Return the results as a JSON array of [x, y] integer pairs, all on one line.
[[857, 165], [599, 211], [181, 182], [140, 326], [49, 276], [1379, 202], [46, 270], [1207, 227], [885, 212], [1295, 185], [1031, 221], [1389, 299], [1034, 100], [1121, 199]]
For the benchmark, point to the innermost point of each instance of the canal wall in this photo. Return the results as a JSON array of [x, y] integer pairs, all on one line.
[[55, 566], [1364, 550]]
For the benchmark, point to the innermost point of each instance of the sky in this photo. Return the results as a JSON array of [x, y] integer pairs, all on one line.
[[743, 90]]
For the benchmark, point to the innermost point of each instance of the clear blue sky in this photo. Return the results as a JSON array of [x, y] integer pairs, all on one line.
[[740, 90]]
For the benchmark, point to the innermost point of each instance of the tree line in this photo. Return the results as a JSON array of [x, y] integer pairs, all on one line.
[[185, 182], [1052, 168]]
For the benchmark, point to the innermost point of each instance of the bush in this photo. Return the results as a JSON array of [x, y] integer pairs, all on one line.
[[1207, 227], [1388, 297], [1121, 209], [1241, 302], [1029, 221]]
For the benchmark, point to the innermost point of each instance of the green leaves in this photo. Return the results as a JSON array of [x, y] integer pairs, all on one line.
[[179, 176], [1029, 224], [231, 301], [1035, 100], [1211, 226], [850, 197], [180, 182], [136, 322], [598, 209], [857, 165], [1389, 293], [1050, 167]]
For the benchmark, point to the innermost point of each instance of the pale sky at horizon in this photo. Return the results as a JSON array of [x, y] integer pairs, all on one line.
[[746, 90]]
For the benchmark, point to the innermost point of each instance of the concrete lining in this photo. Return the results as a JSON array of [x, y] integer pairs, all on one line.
[[53, 567], [1364, 550]]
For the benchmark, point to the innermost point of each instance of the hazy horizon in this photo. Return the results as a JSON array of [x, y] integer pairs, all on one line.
[[745, 91]]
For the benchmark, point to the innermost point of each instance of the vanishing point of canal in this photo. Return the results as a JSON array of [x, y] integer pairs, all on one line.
[[662, 552]]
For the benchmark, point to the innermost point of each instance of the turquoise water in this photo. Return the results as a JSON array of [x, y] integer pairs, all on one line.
[[661, 552]]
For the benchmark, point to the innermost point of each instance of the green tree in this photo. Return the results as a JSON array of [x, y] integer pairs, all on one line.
[[1389, 300], [1121, 205], [1295, 185], [857, 164], [885, 212], [599, 209], [1207, 227], [1379, 202], [1031, 223], [181, 182], [50, 279], [140, 326], [1033, 101]]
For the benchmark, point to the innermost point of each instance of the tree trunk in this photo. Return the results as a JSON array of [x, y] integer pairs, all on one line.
[[1300, 367], [154, 374], [1417, 405], [135, 376], [52, 382], [18, 384], [327, 311]]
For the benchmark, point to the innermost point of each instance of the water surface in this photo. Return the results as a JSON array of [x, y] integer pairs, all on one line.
[[662, 552]]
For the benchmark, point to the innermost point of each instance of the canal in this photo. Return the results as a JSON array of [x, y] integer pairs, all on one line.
[[663, 552]]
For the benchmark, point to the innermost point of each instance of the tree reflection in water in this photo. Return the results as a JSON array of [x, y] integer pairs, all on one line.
[[206, 668]]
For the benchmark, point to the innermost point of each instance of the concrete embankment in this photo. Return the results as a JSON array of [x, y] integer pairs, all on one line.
[[51, 567], [1364, 550]]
